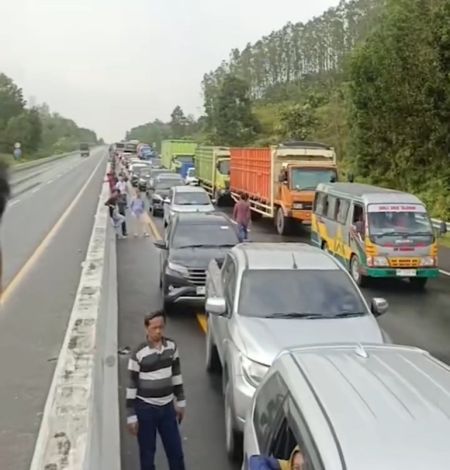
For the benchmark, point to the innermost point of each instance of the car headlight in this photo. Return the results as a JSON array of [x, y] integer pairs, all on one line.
[[178, 268], [253, 371], [380, 261], [297, 205], [428, 261]]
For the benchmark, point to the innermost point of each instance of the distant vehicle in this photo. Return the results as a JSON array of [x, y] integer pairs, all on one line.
[[176, 152], [212, 166], [130, 147], [159, 190], [84, 150], [190, 178], [336, 401], [156, 172], [375, 232], [191, 241], [184, 169], [288, 176], [186, 199], [144, 177], [135, 170], [266, 297]]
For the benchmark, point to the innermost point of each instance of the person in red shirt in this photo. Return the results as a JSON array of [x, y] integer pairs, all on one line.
[[242, 216]]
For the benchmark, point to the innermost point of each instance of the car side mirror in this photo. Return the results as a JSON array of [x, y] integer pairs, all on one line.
[[216, 306], [379, 306], [442, 228], [161, 244]]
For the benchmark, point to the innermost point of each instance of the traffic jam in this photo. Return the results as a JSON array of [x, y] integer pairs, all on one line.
[[304, 364]]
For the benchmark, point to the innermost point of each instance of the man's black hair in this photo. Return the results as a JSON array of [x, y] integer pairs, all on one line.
[[150, 316], [5, 190]]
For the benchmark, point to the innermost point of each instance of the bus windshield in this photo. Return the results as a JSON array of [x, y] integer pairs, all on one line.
[[388, 223], [304, 179]]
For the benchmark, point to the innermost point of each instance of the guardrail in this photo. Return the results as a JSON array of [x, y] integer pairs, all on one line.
[[80, 428], [40, 161]]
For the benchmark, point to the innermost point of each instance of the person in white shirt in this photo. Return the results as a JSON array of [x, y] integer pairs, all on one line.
[[122, 186]]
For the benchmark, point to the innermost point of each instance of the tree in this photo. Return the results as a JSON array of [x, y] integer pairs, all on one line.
[[298, 121], [11, 100], [233, 120], [179, 124], [25, 128]]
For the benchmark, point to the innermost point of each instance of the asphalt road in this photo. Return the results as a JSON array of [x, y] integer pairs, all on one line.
[[416, 318], [42, 266]]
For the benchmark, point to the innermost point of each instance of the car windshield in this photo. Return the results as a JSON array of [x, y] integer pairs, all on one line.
[[167, 183], [224, 167], [389, 225], [303, 179], [196, 198], [297, 292], [188, 235]]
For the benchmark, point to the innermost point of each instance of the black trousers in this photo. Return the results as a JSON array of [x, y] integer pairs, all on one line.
[[122, 211]]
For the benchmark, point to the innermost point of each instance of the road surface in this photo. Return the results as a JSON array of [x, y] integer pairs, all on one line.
[[45, 234], [416, 318]]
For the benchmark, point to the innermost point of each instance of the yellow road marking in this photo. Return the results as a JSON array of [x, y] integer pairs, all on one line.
[[29, 264], [202, 321]]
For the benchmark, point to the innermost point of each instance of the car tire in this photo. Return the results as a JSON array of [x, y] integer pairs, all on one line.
[[211, 356], [359, 278], [233, 438], [418, 283]]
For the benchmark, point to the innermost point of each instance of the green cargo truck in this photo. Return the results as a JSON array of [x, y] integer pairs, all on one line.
[[175, 152], [212, 167]]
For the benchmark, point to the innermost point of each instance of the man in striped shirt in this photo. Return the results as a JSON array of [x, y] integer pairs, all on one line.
[[155, 395]]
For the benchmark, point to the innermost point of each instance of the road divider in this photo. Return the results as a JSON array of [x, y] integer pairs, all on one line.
[[80, 428]]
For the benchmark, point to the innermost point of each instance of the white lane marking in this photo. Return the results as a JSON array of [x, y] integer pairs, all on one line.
[[36, 190], [50, 181], [13, 203], [446, 273]]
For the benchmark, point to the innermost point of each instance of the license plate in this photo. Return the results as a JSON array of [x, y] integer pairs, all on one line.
[[201, 290], [406, 272]]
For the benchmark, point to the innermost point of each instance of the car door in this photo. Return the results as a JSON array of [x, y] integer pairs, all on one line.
[[222, 323], [168, 206], [165, 253]]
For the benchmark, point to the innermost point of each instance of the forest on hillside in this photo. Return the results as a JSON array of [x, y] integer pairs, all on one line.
[[40, 131], [370, 77]]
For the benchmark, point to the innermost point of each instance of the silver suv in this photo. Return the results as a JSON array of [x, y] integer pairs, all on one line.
[[270, 296], [353, 407]]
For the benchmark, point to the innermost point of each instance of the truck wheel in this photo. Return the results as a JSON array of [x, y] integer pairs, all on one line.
[[360, 279], [233, 439], [282, 222], [418, 282]]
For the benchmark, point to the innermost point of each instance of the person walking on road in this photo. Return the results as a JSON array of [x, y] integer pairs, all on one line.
[[155, 395], [116, 218], [138, 213], [242, 216], [122, 203], [5, 193]]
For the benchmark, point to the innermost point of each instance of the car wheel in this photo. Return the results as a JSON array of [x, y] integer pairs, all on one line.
[[233, 438], [212, 357], [418, 282], [359, 278]]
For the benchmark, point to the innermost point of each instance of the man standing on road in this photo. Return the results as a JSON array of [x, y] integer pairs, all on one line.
[[242, 216], [155, 395], [122, 203]]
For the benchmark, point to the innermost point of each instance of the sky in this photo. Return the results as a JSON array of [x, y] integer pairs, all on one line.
[[114, 64]]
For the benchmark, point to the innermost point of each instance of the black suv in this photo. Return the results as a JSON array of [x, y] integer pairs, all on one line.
[[191, 241]]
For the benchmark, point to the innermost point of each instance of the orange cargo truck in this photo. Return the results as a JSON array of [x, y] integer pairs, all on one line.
[[281, 180]]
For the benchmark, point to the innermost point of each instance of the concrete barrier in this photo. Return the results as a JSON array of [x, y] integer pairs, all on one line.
[[80, 425], [40, 161]]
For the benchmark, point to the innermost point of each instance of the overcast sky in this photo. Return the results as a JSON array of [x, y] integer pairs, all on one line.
[[114, 64]]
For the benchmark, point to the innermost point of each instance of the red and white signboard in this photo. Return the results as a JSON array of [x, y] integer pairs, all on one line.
[[396, 208]]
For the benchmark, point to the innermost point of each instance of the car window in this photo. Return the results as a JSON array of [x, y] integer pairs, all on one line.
[[295, 292], [342, 207], [268, 406], [189, 234], [230, 285], [186, 198]]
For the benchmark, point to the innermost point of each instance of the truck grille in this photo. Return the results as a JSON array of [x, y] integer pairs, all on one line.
[[197, 276], [404, 262]]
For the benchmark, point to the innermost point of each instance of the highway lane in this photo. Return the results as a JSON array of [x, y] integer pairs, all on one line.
[[38, 302], [421, 319]]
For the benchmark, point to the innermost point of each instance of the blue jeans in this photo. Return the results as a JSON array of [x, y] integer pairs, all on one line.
[[242, 232], [164, 420]]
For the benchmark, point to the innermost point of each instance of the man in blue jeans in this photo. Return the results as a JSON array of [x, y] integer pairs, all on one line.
[[155, 395]]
